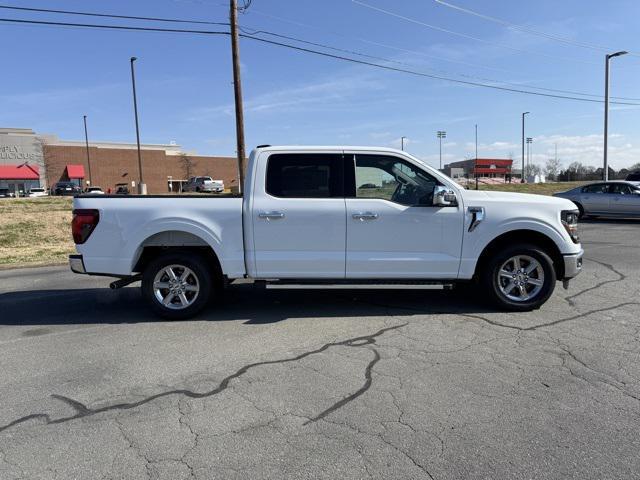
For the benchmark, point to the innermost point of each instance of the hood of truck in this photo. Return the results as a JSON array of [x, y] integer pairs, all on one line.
[[480, 197]]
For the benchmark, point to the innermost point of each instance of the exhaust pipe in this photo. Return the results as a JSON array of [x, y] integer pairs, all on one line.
[[123, 282]]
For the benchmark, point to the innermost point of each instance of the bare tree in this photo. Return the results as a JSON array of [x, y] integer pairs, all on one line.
[[552, 168], [46, 161], [188, 164]]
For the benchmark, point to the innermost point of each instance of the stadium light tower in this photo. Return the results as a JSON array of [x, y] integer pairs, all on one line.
[[441, 134]]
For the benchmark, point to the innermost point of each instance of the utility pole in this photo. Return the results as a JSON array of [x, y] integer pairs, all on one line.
[[522, 174], [142, 188], [608, 57], [402, 143], [86, 141], [237, 90], [441, 134], [475, 163]]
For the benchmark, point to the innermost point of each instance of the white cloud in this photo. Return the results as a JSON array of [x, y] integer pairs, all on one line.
[[302, 97]]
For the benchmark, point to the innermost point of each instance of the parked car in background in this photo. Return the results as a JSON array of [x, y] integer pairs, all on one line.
[[37, 192], [204, 184], [94, 191], [303, 223], [6, 193], [619, 198], [122, 189], [66, 188], [633, 177]]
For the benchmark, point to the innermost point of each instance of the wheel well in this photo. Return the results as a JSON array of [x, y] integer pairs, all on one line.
[[522, 236], [177, 241]]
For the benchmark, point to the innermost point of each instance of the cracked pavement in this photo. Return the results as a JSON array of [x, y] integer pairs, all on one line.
[[324, 384]]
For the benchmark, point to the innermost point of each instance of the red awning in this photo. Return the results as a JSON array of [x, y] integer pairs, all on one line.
[[19, 172], [75, 171]]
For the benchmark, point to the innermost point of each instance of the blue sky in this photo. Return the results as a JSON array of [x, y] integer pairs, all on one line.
[[52, 76]]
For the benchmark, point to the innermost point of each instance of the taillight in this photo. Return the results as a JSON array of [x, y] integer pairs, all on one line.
[[83, 223]]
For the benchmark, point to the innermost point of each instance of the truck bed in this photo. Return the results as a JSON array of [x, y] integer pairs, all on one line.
[[129, 223]]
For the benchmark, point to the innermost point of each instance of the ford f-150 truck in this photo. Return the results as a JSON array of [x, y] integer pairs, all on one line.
[[332, 217]]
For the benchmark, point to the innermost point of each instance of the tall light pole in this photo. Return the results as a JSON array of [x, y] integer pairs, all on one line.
[[142, 188], [86, 141], [475, 162], [522, 174], [237, 91], [441, 134], [608, 57], [402, 143]]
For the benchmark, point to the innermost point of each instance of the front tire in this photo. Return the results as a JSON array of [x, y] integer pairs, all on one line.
[[177, 285], [519, 278]]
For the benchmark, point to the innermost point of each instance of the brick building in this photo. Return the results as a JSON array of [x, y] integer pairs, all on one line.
[[43, 160], [482, 167]]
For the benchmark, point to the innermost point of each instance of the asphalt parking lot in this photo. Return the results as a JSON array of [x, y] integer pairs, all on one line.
[[324, 384]]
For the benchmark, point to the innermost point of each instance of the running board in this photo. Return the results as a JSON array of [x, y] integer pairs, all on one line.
[[408, 285]]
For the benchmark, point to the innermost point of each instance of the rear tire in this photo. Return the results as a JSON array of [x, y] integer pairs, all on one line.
[[177, 285], [520, 278]]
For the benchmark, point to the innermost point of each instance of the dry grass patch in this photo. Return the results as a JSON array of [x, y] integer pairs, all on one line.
[[35, 231], [538, 188]]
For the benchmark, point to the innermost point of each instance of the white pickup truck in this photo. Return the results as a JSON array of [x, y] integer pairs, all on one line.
[[330, 217]]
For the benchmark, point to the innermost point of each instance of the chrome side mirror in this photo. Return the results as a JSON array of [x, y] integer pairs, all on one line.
[[444, 197]]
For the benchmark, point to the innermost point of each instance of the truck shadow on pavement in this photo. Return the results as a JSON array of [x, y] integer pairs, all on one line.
[[243, 302]]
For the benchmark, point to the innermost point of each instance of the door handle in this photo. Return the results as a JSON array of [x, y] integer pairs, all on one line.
[[271, 215], [362, 216]]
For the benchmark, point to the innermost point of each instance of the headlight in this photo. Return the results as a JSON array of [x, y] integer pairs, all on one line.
[[570, 222]]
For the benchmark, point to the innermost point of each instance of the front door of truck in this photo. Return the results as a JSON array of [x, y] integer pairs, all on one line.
[[298, 216], [393, 228]]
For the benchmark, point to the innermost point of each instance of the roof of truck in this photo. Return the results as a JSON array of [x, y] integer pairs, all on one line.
[[326, 148]]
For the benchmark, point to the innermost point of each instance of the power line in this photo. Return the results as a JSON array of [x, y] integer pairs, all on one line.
[[110, 27], [373, 57], [464, 35], [307, 50], [422, 74], [522, 28], [105, 15]]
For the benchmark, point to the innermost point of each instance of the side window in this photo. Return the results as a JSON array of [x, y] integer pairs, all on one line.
[[305, 175], [391, 178], [597, 188], [619, 188]]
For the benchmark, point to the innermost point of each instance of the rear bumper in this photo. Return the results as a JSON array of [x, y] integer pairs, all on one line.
[[572, 265], [76, 263]]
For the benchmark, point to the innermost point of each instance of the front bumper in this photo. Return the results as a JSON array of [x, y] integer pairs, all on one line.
[[572, 265], [76, 264]]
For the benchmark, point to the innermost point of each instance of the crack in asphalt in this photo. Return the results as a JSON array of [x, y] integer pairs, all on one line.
[[354, 395], [82, 411], [548, 324], [608, 266]]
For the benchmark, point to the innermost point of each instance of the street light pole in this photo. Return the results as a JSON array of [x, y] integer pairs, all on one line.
[[441, 134], [522, 174], [475, 163], [142, 188], [402, 143], [608, 57], [86, 141]]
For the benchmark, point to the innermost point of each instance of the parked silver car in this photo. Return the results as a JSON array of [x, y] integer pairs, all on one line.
[[608, 199]]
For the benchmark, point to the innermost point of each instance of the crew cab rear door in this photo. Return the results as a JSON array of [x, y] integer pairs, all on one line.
[[298, 213], [393, 229]]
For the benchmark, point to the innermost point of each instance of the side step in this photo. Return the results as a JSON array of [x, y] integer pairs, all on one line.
[[356, 285]]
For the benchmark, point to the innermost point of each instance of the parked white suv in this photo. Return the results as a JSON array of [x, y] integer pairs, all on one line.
[[204, 184], [342, 217]]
